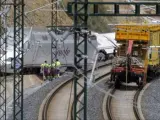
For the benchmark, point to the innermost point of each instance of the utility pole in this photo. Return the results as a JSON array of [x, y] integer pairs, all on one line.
[[18, 6], [80, 23], [18, 59], [3, 46], [54, 24]]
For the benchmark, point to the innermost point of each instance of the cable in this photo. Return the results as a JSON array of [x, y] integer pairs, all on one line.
[[41, 7], [28, 19]]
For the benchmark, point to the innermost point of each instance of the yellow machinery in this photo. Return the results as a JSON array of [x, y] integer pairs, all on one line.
[[142, 34], [145, 50]]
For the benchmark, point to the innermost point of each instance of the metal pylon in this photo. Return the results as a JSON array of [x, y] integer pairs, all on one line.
[[54, 22], [18, 59], [80, 50], [3, 45]]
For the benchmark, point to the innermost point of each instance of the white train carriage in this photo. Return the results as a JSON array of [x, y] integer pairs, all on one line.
[[37, 48]]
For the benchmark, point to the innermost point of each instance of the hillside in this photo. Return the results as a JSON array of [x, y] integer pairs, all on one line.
[[42, 17]]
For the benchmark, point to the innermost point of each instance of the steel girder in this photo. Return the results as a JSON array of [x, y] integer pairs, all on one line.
[[3, 45], [95, 8], [80, 50], [54, 22], [18, 59], [54, 17]]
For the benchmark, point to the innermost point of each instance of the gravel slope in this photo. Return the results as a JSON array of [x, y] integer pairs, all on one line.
[[151, 101], [95, 100]]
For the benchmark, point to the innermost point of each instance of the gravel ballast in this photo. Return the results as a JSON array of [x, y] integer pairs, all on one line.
[[150, 102], [95, 100], [33, 101]]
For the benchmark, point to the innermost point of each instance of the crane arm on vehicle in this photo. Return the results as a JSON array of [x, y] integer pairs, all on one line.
[[130, 45]]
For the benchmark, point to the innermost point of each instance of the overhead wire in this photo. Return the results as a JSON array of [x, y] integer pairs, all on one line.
[[35, 14], [38, 45], [36, 52], [41, 7]]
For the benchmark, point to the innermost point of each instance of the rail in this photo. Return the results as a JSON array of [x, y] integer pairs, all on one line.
[[109, 109], [44, 106], [135, 106]]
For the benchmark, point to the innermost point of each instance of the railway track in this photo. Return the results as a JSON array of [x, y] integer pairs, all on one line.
[[80, 96], [121, 104], [58, 103]]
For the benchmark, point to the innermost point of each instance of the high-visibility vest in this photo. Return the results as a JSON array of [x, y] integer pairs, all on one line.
[[49, 66], [52, 65], [42, 65], [45, 66], [57, 64]]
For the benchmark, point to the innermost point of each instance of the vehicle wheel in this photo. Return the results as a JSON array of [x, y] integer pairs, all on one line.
[[157, 73], [117, 84], [99, 57], [140, 82], [113, 77], [140, 85], [103, 56]]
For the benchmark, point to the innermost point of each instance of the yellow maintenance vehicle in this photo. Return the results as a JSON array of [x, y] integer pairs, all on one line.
[[138, 56]]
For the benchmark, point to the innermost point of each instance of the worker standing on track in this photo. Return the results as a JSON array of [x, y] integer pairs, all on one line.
[[49, 71], [52, 71], [57, 65], [44, 68]]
